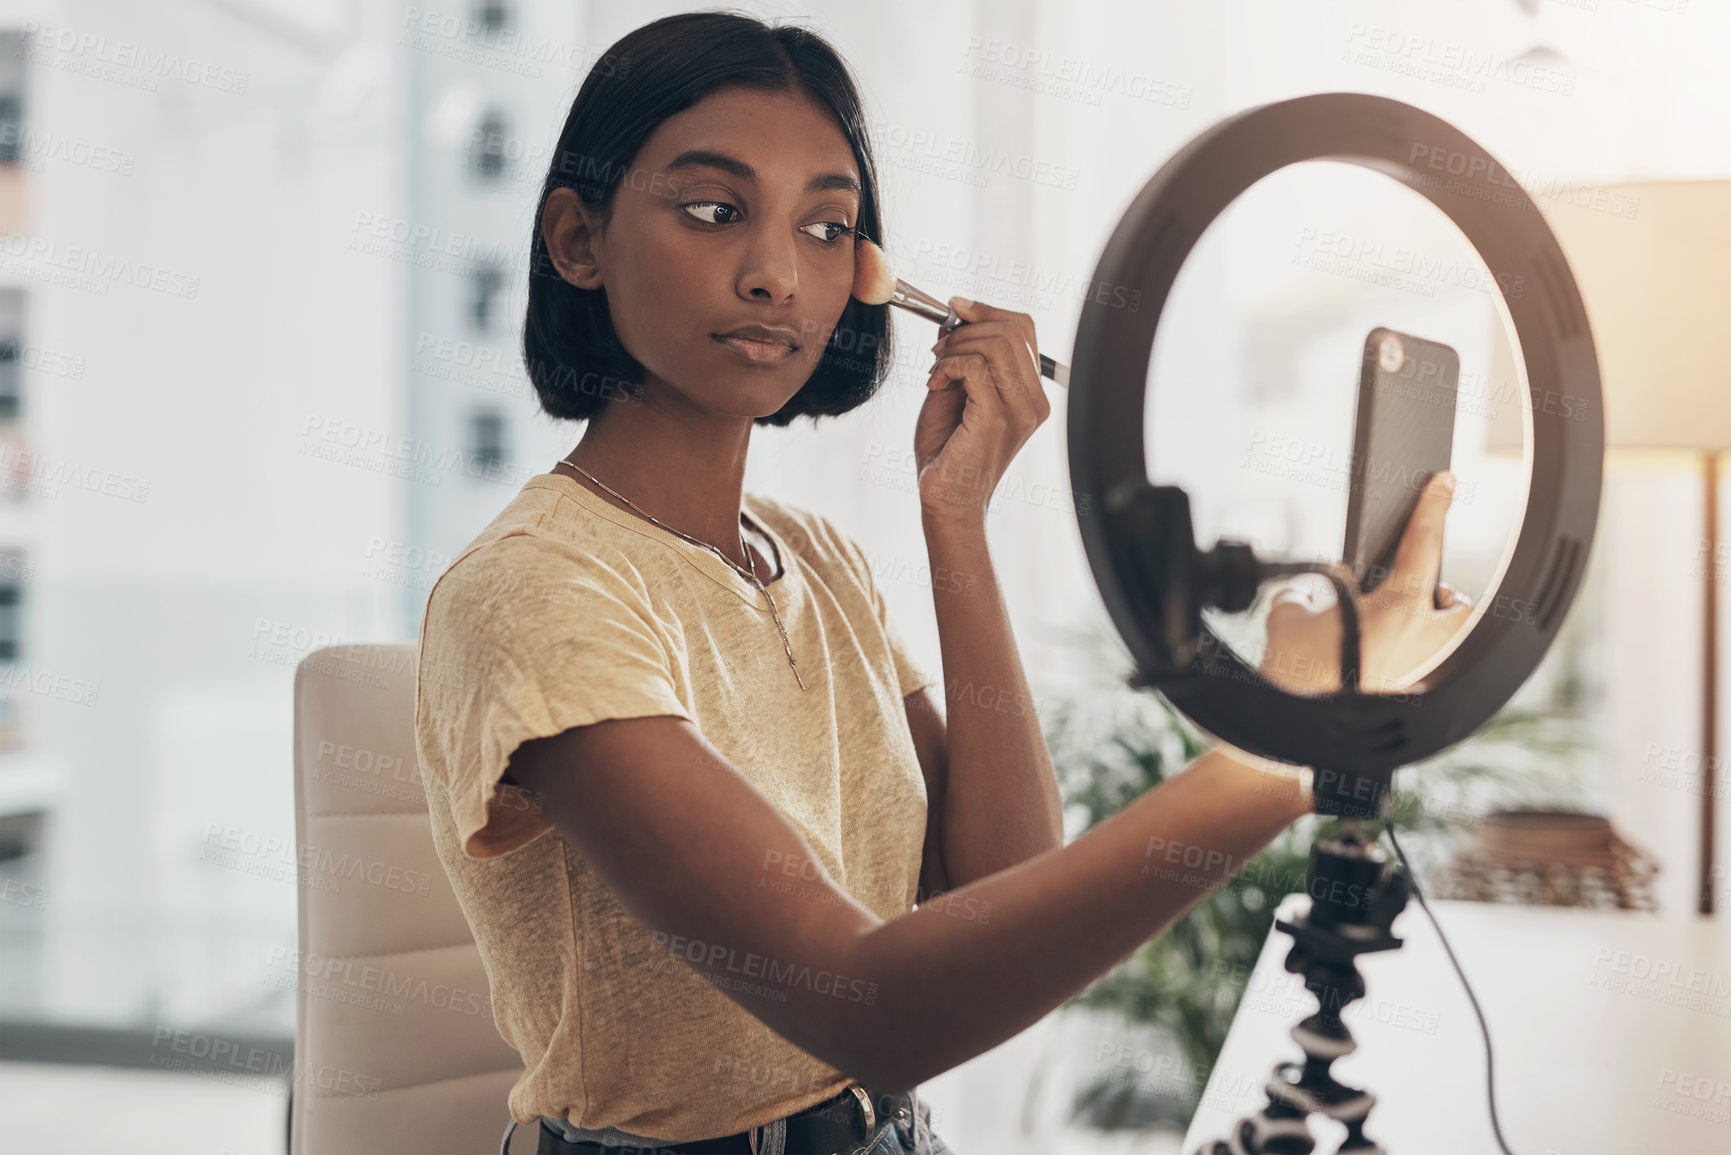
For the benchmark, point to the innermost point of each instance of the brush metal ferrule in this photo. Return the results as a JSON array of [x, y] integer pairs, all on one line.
[[926, 305], [948, 319]]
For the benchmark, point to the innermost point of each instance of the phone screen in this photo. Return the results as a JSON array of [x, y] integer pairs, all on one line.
[[1402, 436]]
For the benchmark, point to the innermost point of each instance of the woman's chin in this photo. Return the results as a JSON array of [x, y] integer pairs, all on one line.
[[758, 396], [747, 392], [750, 405]]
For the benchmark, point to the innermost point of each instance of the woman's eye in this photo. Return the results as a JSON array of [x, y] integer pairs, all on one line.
[[836, 230], [702, 207]]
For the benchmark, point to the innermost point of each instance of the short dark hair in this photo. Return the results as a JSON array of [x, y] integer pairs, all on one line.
[[571, 350]]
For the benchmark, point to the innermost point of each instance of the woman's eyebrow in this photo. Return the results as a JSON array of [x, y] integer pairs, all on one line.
[[696, 157]]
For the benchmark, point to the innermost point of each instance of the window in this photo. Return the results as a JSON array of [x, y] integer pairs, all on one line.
[[11, 342], [495, 17], [12, 60], [9, 398], [13, 571], [487, 148], [485, 283], [21, 836], [487, 440]]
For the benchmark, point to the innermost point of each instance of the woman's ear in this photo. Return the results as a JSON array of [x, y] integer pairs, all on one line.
[[570, 229]]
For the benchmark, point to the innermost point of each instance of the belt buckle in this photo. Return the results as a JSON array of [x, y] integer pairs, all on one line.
[[865, 1105]]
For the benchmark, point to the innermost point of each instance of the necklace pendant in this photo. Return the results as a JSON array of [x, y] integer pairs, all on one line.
[[785, 644]]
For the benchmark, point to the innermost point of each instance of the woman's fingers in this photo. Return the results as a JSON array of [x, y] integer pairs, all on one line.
[[981, 316], [978, 311], [1419, 555], [1011, 364], [1003, 375], [1003, 400], [972, 372]]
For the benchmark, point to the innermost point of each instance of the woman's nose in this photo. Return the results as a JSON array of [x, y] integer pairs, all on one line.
[[769, 272]]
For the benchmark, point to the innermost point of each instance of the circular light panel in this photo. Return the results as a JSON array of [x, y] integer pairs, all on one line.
[[1363, 735]]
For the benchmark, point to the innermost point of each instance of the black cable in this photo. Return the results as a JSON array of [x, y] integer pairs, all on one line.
[[1490, 1079], [1349, 648]]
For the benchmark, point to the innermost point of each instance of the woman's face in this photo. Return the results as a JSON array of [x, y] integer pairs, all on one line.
[[733, 217]]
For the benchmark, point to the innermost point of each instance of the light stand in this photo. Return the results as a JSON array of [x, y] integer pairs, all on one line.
[[1354, 901], [1156, 580]]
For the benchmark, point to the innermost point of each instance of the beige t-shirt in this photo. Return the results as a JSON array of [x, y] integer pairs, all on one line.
[[566, 610]]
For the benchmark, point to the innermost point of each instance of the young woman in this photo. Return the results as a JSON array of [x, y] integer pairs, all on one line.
[[740, 884]]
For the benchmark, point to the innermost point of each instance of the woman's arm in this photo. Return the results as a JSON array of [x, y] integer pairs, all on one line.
[[992, 957], [728, 887], [1000, 803]]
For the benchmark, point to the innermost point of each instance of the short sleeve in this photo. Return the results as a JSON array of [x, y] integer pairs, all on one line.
[[522, 641], [911, 675]]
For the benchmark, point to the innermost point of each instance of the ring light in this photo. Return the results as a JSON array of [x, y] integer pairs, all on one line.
[[1139, 542]]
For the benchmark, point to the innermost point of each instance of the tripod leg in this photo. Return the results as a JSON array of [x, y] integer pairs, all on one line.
[[1282, 1127], [1277, 1129], [1357, 1144], [1326, 941]]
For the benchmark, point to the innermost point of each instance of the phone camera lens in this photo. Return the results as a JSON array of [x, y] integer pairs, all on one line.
[[1391, 354]]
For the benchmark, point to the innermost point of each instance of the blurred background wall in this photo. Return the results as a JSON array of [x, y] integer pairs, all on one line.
[[262, 270]]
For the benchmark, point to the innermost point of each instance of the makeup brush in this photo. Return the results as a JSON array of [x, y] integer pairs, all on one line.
[[875, 283]]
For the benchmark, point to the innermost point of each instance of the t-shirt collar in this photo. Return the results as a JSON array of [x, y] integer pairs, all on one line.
[[723, 573]]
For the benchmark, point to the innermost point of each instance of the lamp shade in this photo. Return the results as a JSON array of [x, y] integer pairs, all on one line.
[[1653, 262]]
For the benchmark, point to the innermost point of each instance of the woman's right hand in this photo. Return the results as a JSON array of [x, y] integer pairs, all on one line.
[[1400, 627], [965, 438]]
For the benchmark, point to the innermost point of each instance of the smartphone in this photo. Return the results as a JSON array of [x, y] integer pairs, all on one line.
[[1402, 436]]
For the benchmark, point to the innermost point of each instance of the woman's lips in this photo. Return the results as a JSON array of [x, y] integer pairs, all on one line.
[[758, 352]]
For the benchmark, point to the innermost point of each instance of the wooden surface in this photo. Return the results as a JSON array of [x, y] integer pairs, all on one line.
[[1612, 1034]]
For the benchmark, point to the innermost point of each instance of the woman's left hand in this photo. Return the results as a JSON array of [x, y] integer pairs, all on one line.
[[985, 400]]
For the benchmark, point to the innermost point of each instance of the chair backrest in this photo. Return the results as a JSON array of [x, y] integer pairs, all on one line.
[[395, 1045]]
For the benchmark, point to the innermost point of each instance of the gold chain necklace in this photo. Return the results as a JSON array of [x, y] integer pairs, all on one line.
[[750, 575]]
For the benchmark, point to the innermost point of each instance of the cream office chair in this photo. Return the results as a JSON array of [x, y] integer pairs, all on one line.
[[395, 1047]]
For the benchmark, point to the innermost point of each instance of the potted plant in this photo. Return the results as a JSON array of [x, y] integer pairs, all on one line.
[[1111, 744]]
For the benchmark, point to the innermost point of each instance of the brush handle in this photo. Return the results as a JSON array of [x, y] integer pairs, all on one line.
[[1057, 371], [948, 319]]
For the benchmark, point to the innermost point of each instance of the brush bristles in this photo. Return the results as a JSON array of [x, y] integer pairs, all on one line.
[[874, 282]]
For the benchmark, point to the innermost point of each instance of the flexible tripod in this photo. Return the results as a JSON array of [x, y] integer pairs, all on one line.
[[1352, 906]]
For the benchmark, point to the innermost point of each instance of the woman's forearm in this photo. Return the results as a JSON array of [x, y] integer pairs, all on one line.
[[726, 885], [989, 959], [1001, 803]]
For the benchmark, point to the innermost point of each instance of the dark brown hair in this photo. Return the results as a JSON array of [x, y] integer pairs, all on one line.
[[571, 351]]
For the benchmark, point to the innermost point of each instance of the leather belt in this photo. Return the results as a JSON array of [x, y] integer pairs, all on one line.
[[845, 1122], [837, 1126]]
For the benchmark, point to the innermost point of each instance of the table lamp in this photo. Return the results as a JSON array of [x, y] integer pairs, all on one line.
[[1653, 262]]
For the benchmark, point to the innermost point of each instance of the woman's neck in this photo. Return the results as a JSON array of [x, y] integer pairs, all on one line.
[[691, 479]]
